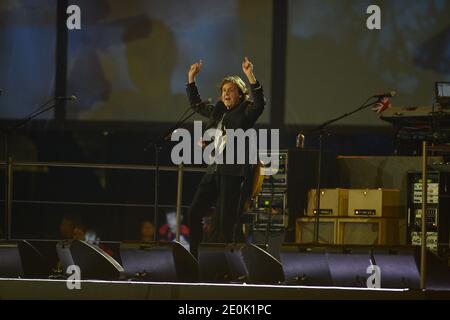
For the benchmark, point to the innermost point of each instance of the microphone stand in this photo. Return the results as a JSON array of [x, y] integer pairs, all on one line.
[[8, 159], [157, 145], [323, 132]]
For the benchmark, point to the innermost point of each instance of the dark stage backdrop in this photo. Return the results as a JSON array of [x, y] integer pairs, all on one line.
[[27, 55], [130, 60], [335, 62]]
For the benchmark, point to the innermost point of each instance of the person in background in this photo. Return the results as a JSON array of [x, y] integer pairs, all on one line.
[[168, 231], [66, 228], [208, 226], [147, 231], [79, 232]]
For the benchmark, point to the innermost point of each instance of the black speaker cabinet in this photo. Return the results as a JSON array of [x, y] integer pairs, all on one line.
[[19, 259], [221, 263], [274, 241], [238, 263], [158, 261], [326, 265], [305, 265], [398, 266], [94, 263], [262, 267], [346, 266]]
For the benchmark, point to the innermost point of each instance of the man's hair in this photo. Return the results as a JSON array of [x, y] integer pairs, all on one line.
[[239, 83], [81, 227], [147, 220]]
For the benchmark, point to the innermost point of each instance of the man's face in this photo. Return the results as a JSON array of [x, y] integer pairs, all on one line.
[[78, 234], [147, 230], [230, 95], [66, 228]]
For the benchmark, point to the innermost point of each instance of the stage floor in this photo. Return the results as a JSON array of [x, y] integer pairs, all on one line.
[[120, 290]]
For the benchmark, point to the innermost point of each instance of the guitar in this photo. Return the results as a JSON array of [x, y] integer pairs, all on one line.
[[257, 179]]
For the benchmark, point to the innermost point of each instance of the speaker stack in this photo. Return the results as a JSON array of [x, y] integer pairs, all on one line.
[[353, 217]]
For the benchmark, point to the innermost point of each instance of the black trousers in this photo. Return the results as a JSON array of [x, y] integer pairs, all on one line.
[[225, 192]]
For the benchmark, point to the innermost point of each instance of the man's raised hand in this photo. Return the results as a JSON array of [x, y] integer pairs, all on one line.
[[194, 70], [247, 67]]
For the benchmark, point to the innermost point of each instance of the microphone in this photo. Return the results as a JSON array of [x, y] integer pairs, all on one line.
[[385, 95], [205, 104]]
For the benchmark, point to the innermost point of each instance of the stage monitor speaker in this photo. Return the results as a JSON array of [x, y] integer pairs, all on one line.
[[274, 240], [262, 267], [238, 263], [305, 265], [19, 259], [348, 265], [398, 266], [221, 263], [94, 263], [158, 261], [325, 265]]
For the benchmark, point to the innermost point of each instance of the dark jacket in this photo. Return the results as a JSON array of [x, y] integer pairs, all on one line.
[[242, 116]]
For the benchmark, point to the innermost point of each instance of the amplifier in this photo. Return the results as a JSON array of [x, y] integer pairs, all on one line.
[[278, 222], [333, 202], [278, 180], [354, 231], [374, 203], [275, 201], [371, 231], [304, 230]]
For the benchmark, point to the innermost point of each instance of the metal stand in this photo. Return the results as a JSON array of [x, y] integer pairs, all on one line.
[[9, 160], [156, 144], [423, 249], [319, 178], [322, 132], [179, 199], [8, 188], [155, 214]]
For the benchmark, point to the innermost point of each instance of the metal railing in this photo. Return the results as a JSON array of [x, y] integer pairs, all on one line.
[[12, 165]]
